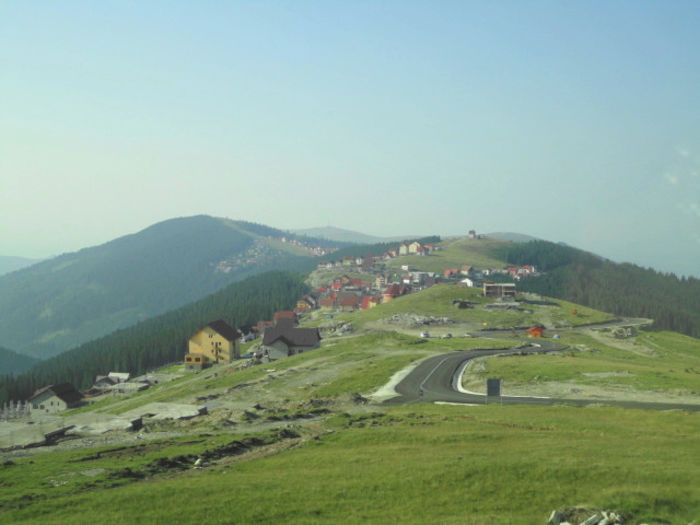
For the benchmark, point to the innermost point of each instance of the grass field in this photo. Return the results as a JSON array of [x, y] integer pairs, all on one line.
[[654, 361], [414, 464]]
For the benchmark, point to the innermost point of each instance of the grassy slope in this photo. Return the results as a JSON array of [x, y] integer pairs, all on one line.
[[437, 301], [413, 464], [416, 464], [649, 361]]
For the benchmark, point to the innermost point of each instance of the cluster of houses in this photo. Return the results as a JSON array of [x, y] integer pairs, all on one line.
[[218, 342], [311, 248], [56, 398], [368, 261], [470, 275]]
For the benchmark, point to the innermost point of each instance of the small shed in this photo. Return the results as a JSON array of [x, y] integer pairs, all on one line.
[[535, 331]]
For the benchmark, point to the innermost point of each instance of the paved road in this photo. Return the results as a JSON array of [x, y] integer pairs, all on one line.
[[435, 379]]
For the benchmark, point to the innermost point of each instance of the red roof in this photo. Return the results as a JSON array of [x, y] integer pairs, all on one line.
[[366, 301], [395, 290], [337, 286], [262, 325], [284, 315], [350, 300], [392, 289]]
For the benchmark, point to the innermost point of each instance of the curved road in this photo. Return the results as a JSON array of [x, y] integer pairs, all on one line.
[[436, 378]]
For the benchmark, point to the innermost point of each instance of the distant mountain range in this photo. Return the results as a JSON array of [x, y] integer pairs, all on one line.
[[10, 263], [512, 236], [62, 302], [340, 235]]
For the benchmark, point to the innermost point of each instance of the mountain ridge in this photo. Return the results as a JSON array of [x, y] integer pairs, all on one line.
[[76, 297], [343, 235]]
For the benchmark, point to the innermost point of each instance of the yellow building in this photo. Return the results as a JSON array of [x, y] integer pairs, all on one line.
[[214, 343]]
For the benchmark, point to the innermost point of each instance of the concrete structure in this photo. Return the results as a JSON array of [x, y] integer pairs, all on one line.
[[214, 343], [499, 290], [55, 398]]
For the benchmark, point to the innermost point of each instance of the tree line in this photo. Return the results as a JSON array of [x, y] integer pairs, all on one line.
[[160, 340]]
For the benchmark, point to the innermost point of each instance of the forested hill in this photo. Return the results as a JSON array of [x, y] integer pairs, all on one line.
[[160, 340], [76, 297], [622, 289], [12, 362]]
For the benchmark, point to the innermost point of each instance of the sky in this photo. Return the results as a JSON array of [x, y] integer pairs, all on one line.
[[570, 121]]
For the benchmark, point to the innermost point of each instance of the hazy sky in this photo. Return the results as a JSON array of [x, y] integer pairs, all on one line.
[[571, 121]]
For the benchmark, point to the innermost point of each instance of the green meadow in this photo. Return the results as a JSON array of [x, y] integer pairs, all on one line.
[[412, 464], [653, 361]]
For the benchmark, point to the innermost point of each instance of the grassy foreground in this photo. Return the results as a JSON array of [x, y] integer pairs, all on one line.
[[413, 464]]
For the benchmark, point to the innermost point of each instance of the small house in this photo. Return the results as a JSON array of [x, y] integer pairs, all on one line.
[[414, 247], [348, 301], [450, 272], [370, 302], [285, 340], [392, 291], [467, 282], [55, 398]]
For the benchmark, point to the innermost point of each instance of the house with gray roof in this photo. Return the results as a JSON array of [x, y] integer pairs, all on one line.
[[284, 339], [55, 398]]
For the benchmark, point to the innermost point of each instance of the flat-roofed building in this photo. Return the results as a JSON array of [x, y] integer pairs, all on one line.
[[499, 290]]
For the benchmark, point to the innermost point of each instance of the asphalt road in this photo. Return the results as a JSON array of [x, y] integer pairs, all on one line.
[[435, 379]]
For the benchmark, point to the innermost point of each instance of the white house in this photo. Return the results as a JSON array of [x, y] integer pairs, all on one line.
[[55, 398]]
